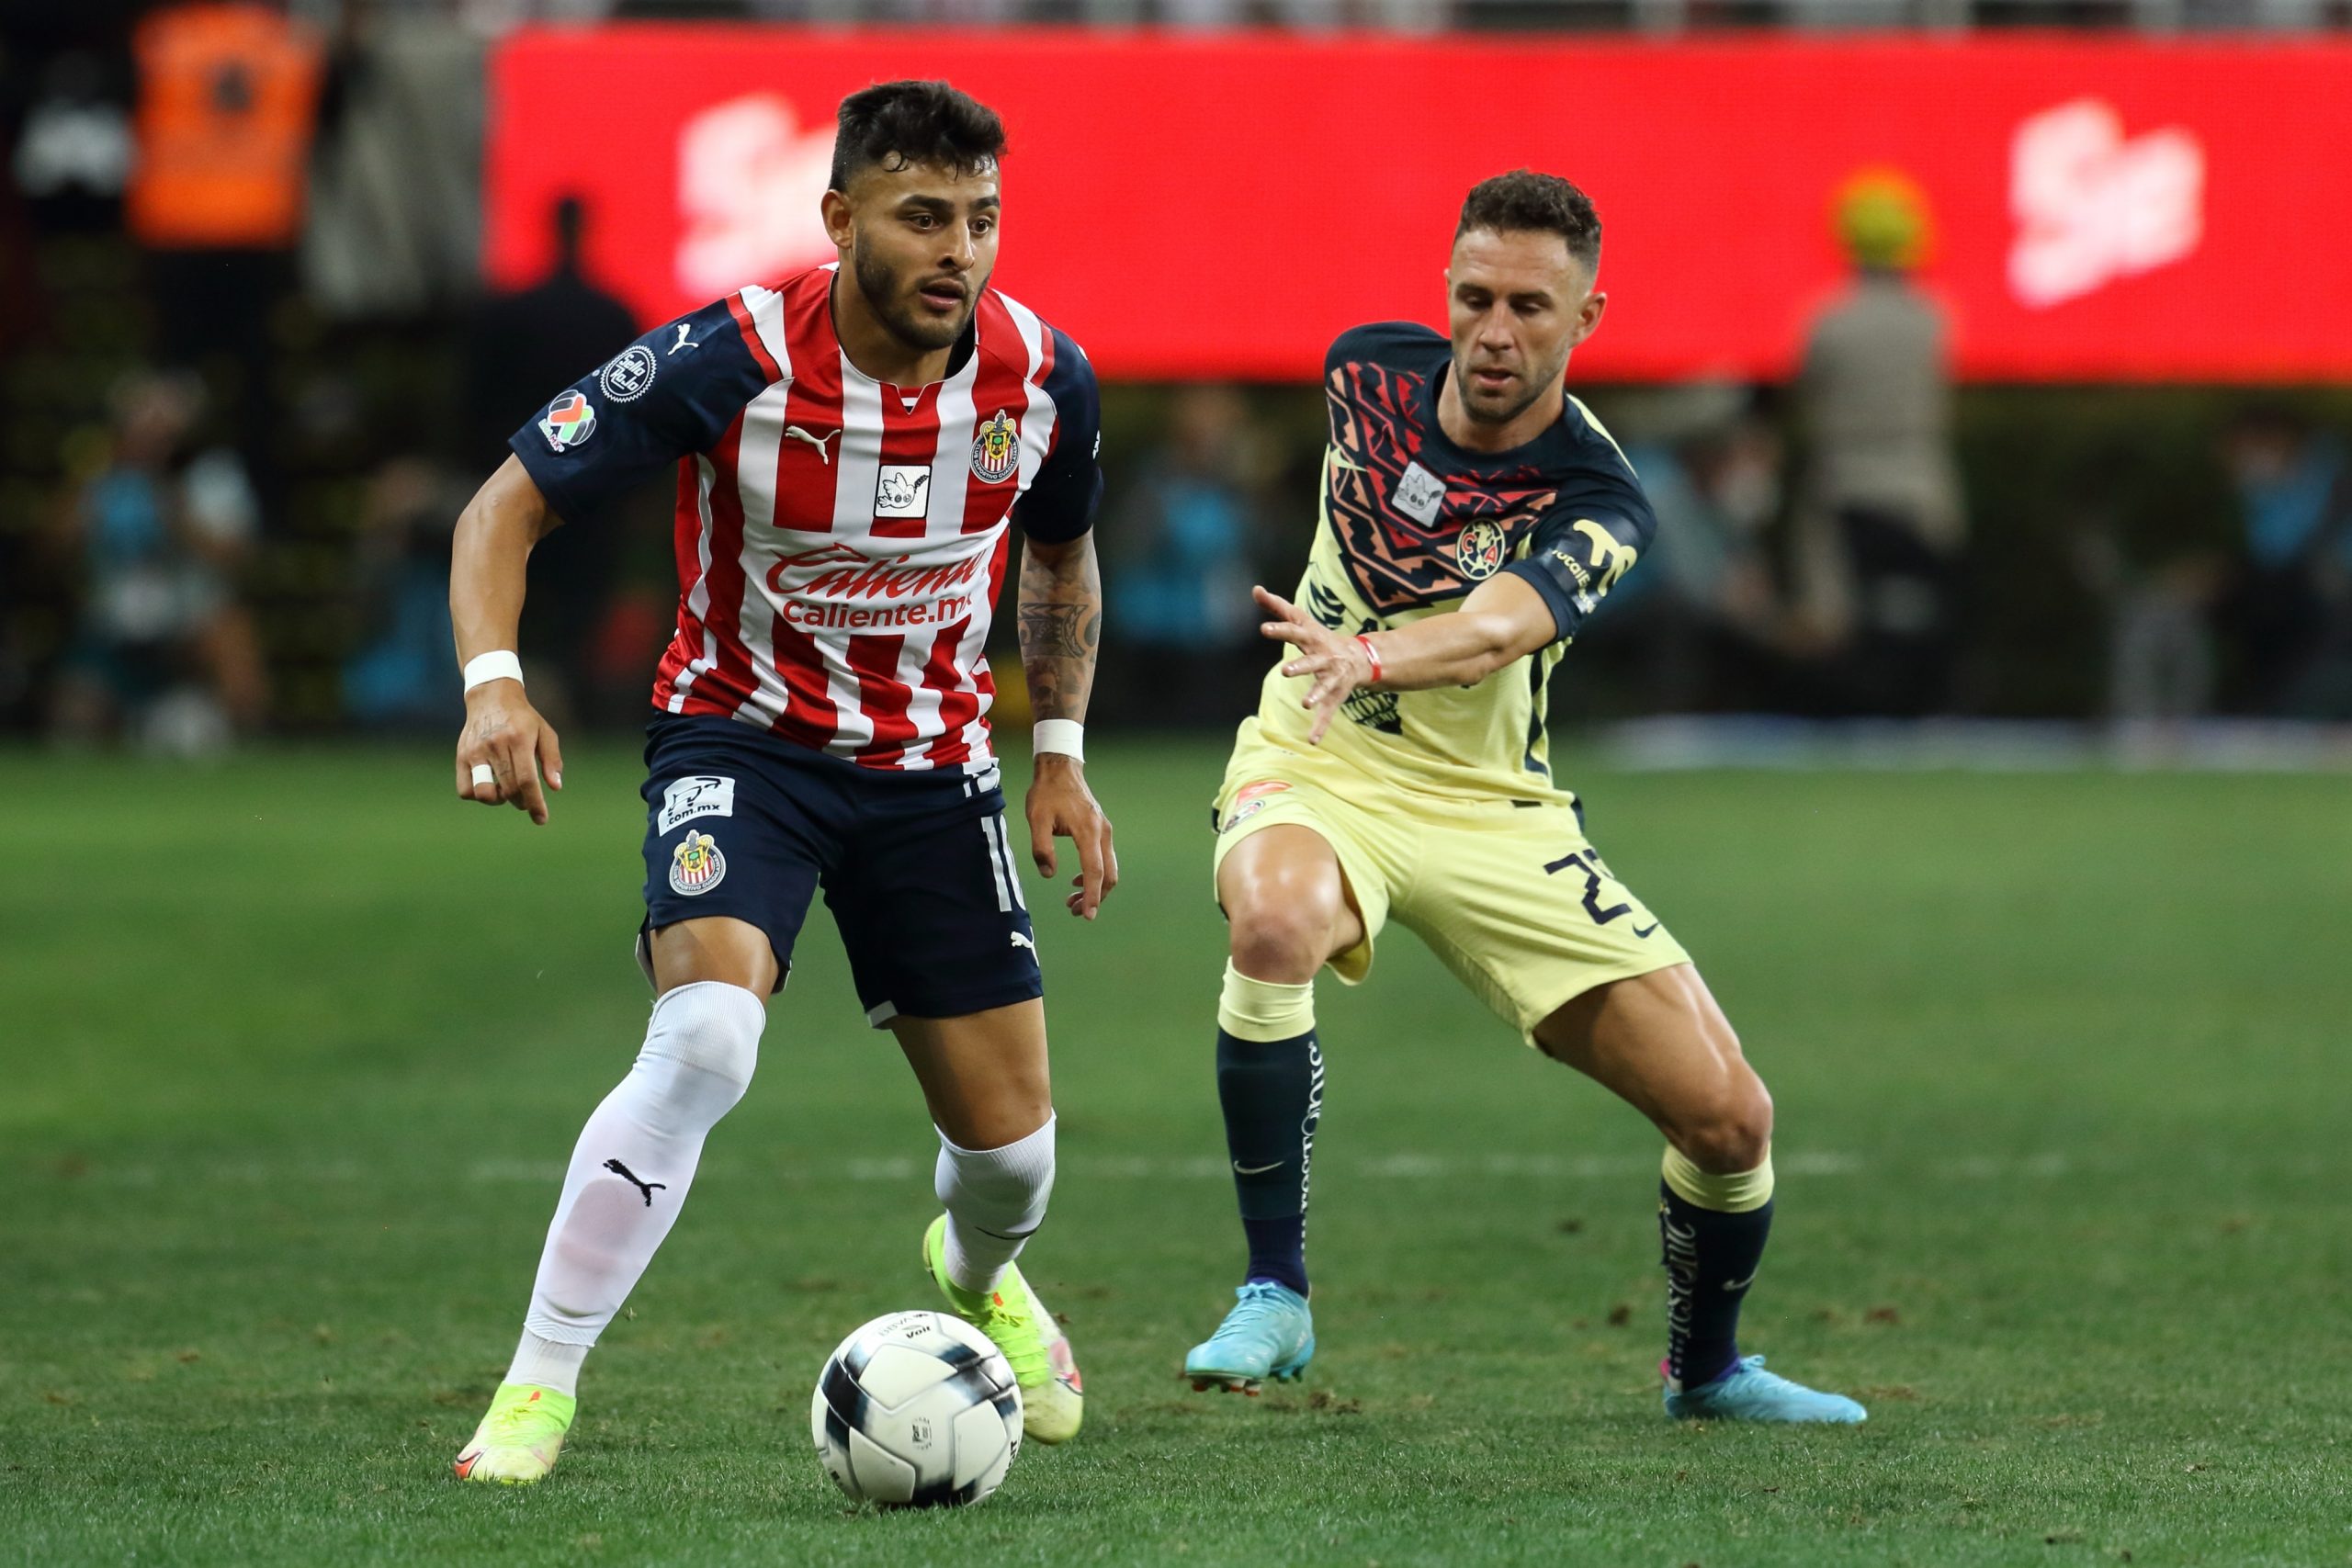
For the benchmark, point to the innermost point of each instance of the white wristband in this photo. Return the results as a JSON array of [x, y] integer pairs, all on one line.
[[1065, 736], [485, 668]]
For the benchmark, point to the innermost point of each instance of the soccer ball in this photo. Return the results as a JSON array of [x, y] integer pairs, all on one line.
[[916, 1410]]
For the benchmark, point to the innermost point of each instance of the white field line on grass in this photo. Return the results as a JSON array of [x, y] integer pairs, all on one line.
[[1407, 1166]]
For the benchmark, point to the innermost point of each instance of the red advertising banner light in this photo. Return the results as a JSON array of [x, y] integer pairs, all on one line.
[[1223, 205]]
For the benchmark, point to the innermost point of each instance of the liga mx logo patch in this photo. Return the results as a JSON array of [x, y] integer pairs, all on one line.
[[996, 450], [697, 866], [1479, 550], [569, 422]]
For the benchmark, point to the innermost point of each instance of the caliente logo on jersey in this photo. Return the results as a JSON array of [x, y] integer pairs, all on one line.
[[695, 865], [996, 450], [569, 422]]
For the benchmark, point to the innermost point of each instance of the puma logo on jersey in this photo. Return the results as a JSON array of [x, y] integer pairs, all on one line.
[[796, 433], [683, 328], [1021, 939]]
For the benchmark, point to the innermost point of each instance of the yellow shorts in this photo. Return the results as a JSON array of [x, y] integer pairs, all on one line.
[[1512, 898]]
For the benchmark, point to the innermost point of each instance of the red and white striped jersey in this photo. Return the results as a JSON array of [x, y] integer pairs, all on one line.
[[840, 541]]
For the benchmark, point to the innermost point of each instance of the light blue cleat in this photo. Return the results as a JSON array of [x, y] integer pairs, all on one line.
[[1269, 1333], [1748, 1393]]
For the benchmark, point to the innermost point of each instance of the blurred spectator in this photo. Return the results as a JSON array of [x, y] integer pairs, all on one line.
[[1880, 528], [227, 93], [2161, 666], [1181, 543], [521, 350], [163, 649], [1716, 628], [404, 673], [525, 347], [2291, 609], [74, 151]]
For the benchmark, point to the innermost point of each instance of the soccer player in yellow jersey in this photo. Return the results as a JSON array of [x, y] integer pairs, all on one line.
[[1473, 515]]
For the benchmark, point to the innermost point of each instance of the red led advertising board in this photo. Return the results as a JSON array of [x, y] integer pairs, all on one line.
[[1222, 205]]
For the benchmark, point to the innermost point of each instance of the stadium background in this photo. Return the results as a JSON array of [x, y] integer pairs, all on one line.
[[2036, 944]]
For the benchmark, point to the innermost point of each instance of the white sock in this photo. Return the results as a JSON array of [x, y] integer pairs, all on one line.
[[546, 1363], [630, 1172], [994, 1199]]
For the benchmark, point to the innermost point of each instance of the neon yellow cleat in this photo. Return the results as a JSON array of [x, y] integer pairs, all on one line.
[[1053, 1400], [518, 1441]]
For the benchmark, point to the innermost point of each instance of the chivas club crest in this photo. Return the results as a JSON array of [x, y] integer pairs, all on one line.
[[996, 450], [1479, 550], [695, 865]]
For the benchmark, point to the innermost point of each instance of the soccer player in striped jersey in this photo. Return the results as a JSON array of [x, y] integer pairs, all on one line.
[[854, 446], [1472, 516]]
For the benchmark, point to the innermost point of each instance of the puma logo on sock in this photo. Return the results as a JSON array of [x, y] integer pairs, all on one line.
[[649, 1188]]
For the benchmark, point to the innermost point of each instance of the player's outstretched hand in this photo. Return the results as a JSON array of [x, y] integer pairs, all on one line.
[[1061, 806], [1336, 662], [505, 734]]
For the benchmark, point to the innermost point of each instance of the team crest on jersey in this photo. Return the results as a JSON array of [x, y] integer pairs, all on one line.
[[629, 374], [569, 422], [695, 865], [1479, 550], [996, 450]]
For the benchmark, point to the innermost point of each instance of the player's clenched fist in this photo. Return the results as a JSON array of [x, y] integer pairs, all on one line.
[[504, 749]]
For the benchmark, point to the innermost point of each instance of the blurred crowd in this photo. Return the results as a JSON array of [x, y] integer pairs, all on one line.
[[241, 422]]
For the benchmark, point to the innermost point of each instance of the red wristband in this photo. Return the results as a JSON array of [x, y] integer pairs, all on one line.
[[1371, 657]]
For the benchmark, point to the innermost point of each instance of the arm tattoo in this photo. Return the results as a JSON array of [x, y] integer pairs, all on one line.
[[1061, 624]]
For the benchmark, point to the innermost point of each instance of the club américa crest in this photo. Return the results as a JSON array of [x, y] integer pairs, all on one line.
[[996, 450], [695, 865], [1479, 550]]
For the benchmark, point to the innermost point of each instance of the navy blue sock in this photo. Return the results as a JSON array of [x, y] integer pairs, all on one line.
[[1272, 1094], [1710, 1260]]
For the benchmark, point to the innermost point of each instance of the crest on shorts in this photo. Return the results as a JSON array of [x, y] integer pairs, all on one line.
[[569, 422], [1479, 550], [1249, 800], [996, 450], [695, 865]]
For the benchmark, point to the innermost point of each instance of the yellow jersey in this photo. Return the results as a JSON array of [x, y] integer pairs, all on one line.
[[1407, 524]]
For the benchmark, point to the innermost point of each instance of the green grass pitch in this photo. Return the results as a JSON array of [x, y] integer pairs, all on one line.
[[291, 1053]]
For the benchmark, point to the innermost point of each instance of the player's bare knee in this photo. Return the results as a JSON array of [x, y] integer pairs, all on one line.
[[1732, 1133], [1285, 945], [1005, 1117]]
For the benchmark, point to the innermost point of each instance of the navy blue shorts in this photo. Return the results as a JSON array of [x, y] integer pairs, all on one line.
[[916, 868]]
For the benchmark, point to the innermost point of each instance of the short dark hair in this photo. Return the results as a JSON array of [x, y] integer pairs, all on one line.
[[1523, 201], [893, 124]]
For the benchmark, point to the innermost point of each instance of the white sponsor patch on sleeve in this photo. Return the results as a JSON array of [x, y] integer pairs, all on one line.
[[698, 795]]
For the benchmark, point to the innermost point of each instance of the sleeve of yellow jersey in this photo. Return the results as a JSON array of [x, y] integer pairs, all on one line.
[[1583, 548]]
